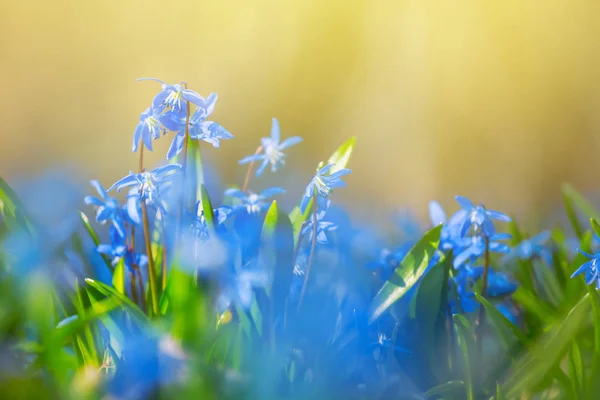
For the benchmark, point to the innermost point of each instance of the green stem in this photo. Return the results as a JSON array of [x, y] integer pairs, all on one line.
[[312, 251], [151, 269]]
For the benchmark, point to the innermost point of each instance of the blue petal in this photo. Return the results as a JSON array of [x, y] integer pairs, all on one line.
[[192, 97], [275, 133], [436, 213], [252, 158], [340, 173], [104, 249], [172, 122], [464, 203], [99, 189], [147, 137], [262, 167], [325, 169], [497, 215], [272, 192], [176, 146], [488, 227], [290, 142], [209, 104], [118, 224], [304, 203], [103, 214], [93, 200], [499, 248], [131, 179], [236, 193], [137, 135], [583, 268], [464, 228]]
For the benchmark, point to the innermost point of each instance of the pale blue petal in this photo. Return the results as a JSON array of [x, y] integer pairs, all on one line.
[[497, 215], [325, 169], [93, 201], [147, 137], [104, 249], [436, 213], [165, 170], [290, 142], [237, 193], [172, 122], [340, 173], [272, 192], [464, 203], [262, 167], [252, 158], [192, 97], [128, 180], [583, 268], [275, 133], [137, 135], [176, 146], [488, 227], [99, 189], [209, 104], [103, 214]]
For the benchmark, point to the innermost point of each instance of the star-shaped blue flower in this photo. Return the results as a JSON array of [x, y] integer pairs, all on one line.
[[323, 228], [534, 247], [174, 96], [148, 129], [152, 185], [590, 268], [252, 202], [272, 150], [474, 247], [107, 208], [117, 249], [323, 184], [479, 217], [198, 127]]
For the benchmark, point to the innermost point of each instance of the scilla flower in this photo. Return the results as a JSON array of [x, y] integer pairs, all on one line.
[[252, 202], [479, 217], [117, 250], [323, 228], [199, 227], [198, 127], [451, 228], [590, 268], [174, 96], [151, 185], [148, 129], [107, 208], [323, 184], [474, 247], [534, 247], [272, 150]]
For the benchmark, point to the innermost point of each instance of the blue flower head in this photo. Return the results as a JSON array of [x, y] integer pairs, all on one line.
[[252, 202], [107, 208], [117, 250], [198, 127], [451, 229], [272, 150], [323, 228], [473, 247], [152, 185], [174, 96], [322, 184], [534, 247], [479, 218], [590, 268], [199, 227], [238, 288], [148, 129]]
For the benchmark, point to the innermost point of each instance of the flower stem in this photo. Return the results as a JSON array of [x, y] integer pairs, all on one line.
[[249, 171], [138, 274], [312, 251], [484, 285], [151, 269], [164, 258], [134, 293]]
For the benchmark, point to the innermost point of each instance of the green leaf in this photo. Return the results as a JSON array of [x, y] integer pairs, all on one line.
[[118, 279], [108, 291], [595, 226], [207, 208], [467, 346], [94, 236], [580, 201], [407, 274], [11, 209], [506, 329], [444, 388]]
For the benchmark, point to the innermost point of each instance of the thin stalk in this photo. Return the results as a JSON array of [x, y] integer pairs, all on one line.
[[164, 258], [312, 251], [484, 285], [249, 171], [133, 288], [151, 269]]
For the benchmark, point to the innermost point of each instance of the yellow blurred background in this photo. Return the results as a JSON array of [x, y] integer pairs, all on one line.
[[498, 101]]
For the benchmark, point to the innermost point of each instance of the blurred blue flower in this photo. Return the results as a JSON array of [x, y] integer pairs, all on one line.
[[473, 247], [590, 268], [118, 249], [323, 184], [107, 208], [238, 288], [534, 247], [151, 185], [198, 127], [499, 284], [174, 96], [251, 202], [323, 228], [451, 229], [148, 129], [272, 150], [199, 227], [479, 217]]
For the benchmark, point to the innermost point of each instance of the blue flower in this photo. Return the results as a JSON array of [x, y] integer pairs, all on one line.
[[323, 184], [199, 227], [451, 229], [474, 247], [151, 185], [107, 208], [590, 268], [198, 127], [251, 202], [499, 284], [534, 247], [238, 288], [174, 96], [148, 129], [479, 217], [323, 228], [117, 250], [273, 150]]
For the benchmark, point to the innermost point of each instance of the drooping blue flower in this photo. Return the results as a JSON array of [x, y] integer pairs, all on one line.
[[152, 185], [473, 247], [323, 228], [590, 268], [118, 249], [534, 247], [451, 229], [148, 129], [272, 150], [174, 96], [107, 208], [479, 217], [323, 184], [251, 202], [198, 127]]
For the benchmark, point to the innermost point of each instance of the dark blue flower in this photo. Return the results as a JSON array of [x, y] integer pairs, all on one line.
[[534, 247], [322, 184], [148, 129], [473, 247], [198, 127], [174, 96], [272, 150], [107, 208], [590, 268], [152, 185], [118, 249], [479, 217], [499, 284], [252, 202], [451, 229]]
